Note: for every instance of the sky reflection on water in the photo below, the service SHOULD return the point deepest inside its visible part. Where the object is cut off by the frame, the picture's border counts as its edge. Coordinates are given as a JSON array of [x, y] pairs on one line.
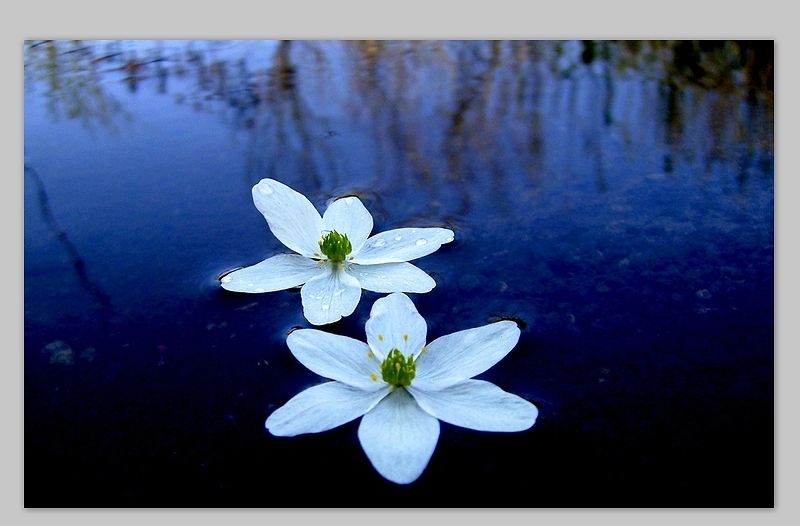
[[616, 199]]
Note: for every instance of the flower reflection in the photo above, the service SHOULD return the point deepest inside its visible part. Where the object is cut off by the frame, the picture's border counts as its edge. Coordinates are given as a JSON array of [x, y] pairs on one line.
[[402, 387], [334, 256]]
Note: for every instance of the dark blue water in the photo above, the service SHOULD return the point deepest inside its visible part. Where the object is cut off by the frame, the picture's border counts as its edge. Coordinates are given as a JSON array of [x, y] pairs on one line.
[[616, 200]]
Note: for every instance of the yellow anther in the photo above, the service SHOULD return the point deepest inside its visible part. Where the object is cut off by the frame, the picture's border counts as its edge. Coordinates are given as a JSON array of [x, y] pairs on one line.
[[374, 377], [397, 367], [370, 355], [424, 350], [380, 337], [405, 337]]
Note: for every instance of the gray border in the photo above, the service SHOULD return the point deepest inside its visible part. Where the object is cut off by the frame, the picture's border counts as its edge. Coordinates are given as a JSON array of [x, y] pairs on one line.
[[768, 19]]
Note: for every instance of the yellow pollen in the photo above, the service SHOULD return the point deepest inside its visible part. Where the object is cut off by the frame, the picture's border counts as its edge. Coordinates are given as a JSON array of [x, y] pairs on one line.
[[424, 350], [370, 355], [374, 377], [380, 337], [405, 337]]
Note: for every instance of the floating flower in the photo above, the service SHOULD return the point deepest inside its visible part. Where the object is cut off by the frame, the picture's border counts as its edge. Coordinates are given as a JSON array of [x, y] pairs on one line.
[[335, 257], [402, 387]]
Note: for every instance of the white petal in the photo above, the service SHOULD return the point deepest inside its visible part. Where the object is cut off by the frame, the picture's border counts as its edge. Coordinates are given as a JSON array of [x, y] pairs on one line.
[[337, 357], [280, 272], [394, 323], [291, 217], [349, 216], [402, 244], [392, 277], [476, 404], [330, 295], [464, 354], [398, 437], [320, 408]]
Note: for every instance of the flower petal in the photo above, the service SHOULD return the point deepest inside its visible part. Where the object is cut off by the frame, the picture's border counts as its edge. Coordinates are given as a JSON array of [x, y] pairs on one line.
[[392, 277], [479, 405], [464, 354], [349, 216], [330, 295], [290, 215], [394, 323], [336, 357], [402, 244], [321, 408], [398, 437], [279, 272]]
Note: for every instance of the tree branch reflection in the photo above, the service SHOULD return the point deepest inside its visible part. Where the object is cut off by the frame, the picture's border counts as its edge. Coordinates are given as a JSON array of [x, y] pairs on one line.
[[78, 263], [461, 120]]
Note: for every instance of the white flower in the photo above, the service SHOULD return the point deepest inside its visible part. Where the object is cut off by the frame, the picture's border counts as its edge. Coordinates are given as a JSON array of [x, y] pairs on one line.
[[402, 387], [334, 257]]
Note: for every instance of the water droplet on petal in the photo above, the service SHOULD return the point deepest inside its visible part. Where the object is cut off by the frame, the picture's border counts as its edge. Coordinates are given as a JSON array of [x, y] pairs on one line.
[[264, 189], [326, 307], [421, 242], [398, 238], [226, 279], [449, 239], [379, 243], [338, 292]]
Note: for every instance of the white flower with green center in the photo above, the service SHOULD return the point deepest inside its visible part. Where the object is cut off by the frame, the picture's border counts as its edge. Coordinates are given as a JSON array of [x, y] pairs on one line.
[[335, 257], [402, 387]]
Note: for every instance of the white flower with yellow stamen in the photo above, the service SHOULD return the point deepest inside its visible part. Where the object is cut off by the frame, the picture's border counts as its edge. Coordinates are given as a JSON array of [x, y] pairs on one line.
[[402, 387], [335, 257]]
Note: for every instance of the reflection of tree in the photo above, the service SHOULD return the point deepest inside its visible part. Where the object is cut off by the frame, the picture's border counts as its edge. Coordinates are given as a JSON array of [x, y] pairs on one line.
[[485, 132], [78, 264], [280, 124], [473, 93], [462, 120], [72, 77]]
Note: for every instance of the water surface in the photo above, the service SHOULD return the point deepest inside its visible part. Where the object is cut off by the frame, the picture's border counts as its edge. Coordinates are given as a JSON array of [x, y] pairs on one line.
[[615, 199]]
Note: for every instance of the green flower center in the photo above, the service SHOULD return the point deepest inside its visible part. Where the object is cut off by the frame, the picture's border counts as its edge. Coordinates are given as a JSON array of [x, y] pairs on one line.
[[397, 370], [336, 246]]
